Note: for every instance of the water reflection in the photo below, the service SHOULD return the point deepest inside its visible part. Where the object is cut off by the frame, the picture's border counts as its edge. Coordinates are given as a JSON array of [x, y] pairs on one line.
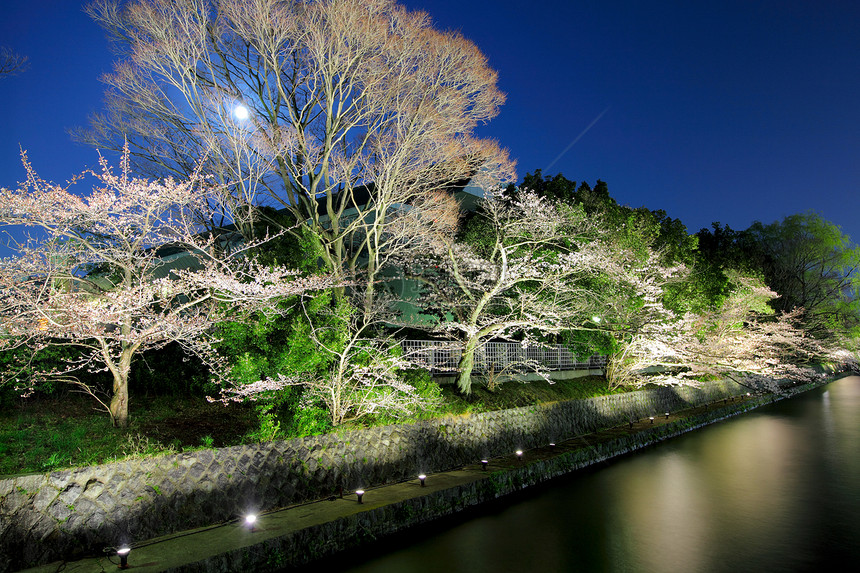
[[774, 490]]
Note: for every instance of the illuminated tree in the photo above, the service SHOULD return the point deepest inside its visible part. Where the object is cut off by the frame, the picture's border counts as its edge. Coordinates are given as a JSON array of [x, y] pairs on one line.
[[350, 109], [120, 271], [807, 260], [363, 376], [812, 265], [742, 340], [527, 267]]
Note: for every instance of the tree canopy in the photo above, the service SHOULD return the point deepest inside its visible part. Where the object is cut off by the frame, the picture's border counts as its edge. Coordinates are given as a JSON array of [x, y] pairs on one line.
[[806, 259], [118, 271], [335, 110]]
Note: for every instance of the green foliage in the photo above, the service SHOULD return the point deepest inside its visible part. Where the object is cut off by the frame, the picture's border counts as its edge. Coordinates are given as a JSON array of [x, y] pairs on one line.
[[426, 388], [584, 343], [51, 433], [280, 343], [270, 427], [423, 383], [806, 259], [639, 231], [813, 265], [557, 187], [301, 251], [310, 419], [25, 365], [273, 344], [169, 371], [291, 413]]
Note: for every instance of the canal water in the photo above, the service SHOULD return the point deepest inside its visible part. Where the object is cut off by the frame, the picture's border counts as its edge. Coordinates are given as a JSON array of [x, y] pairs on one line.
[[777, 489]]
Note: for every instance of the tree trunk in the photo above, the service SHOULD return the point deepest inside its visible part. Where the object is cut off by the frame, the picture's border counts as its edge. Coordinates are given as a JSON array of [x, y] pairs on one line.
[[119, 401], [464, 367]]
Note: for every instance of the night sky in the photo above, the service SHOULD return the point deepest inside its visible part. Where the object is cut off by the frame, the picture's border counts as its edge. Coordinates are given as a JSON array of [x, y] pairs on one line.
[[729, 111]]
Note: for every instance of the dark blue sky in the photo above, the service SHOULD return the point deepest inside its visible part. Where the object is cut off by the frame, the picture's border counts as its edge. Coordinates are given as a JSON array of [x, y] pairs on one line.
[[729, 111]]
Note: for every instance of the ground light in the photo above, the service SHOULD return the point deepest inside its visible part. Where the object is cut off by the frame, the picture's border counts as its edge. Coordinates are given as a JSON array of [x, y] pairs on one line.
[[520, 455], [251, 522], [360, 494], [667, 415], [421, 478], [123, 556], [651, 418], [484, 464]]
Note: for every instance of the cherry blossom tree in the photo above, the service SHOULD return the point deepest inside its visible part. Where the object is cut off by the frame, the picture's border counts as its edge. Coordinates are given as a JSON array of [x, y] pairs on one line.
[[338, 111], [123, 270], [530, 268], [743, 340]]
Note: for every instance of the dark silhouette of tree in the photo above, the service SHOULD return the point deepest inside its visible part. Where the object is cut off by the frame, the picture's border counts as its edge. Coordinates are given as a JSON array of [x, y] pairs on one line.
[[12, 63]]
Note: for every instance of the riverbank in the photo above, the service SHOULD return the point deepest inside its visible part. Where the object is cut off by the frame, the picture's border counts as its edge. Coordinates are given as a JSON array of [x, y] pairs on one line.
[[303, 533]]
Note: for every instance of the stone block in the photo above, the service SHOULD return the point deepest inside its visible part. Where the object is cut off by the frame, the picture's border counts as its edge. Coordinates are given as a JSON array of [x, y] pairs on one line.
[[13, 502], [106, 500], [96, 520], [196, 471], [204, 457], [59, 511], [6, 487], [60, 480]]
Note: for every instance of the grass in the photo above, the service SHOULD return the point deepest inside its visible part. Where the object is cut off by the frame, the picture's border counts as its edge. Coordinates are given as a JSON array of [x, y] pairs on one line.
[[518, 394], [50, 433]]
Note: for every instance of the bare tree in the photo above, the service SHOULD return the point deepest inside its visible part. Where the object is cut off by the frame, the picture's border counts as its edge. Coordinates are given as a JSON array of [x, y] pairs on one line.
[[12, 63], [96, 276], [336, 110]]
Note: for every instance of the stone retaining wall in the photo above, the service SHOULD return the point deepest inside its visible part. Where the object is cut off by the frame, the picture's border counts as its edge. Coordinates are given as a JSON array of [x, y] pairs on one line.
[[67, 514]]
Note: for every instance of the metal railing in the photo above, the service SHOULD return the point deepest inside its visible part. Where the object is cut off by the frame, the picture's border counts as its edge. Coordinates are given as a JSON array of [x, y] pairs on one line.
[[443, 356]]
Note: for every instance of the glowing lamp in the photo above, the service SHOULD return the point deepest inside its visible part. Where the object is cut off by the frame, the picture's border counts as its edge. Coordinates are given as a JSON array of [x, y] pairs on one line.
[[123, 556]]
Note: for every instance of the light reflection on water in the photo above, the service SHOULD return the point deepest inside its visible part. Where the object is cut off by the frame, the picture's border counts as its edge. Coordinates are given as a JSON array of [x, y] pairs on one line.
[[777, 489]]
